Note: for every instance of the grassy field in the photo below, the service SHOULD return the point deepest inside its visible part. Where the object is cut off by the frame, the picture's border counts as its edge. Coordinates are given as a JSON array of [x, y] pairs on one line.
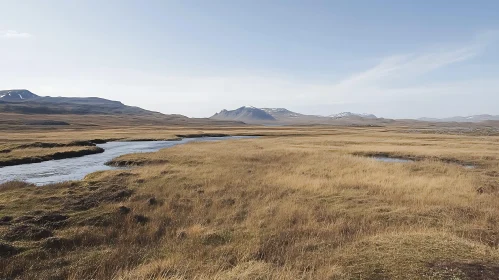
[[298, 203]]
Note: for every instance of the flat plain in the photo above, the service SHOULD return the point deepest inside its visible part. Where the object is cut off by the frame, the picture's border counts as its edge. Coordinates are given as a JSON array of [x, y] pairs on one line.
[[305, 202]]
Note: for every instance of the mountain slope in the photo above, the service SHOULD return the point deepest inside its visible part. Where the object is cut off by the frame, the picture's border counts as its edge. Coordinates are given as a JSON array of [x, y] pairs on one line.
[[285, 116], [246, 114], [17, 95], [281, 113]]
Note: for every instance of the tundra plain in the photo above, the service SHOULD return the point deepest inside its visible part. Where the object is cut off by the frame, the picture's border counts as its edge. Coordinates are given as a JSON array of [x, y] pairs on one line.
[[295, 203]]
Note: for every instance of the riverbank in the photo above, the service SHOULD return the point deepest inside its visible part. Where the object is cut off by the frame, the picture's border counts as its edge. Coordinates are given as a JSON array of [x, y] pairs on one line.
[[36, 152], [36, 155]]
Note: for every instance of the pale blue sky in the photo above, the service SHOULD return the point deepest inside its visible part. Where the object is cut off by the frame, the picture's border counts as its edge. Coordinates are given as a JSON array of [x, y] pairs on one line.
[[393, 58]]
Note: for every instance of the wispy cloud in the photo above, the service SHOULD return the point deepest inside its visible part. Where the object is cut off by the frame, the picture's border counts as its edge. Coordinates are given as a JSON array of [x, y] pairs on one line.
[[411, 74], [409, 66], [13, 34]]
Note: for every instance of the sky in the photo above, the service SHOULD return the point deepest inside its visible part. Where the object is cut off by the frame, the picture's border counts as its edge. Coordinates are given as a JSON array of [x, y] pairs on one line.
[[392, 58]]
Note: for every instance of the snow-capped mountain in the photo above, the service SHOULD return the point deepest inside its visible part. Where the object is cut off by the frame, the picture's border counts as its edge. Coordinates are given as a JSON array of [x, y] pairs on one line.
[[349, 115], [16, 95]]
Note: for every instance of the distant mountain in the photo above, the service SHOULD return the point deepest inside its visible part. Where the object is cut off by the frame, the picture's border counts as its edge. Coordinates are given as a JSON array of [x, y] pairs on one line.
[[282, 116], [247, 114], [474, 118], [17, 95], [352, 115]]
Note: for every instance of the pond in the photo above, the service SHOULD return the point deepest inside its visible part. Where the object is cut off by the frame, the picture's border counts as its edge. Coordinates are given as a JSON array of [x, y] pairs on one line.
[[392, 159]]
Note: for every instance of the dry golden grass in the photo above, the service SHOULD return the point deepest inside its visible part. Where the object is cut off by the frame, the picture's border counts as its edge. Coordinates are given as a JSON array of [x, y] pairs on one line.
[[277, 207]]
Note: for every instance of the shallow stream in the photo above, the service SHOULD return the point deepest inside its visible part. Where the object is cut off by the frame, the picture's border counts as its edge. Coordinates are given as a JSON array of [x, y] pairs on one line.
[[55, 171]]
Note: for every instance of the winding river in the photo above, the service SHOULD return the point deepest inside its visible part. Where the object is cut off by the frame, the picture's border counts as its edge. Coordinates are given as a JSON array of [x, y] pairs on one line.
[[55, 171]]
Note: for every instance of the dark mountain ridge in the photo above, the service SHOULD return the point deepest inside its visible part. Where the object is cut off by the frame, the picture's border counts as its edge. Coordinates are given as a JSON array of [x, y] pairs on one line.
[[17, 95], [26, 102]]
